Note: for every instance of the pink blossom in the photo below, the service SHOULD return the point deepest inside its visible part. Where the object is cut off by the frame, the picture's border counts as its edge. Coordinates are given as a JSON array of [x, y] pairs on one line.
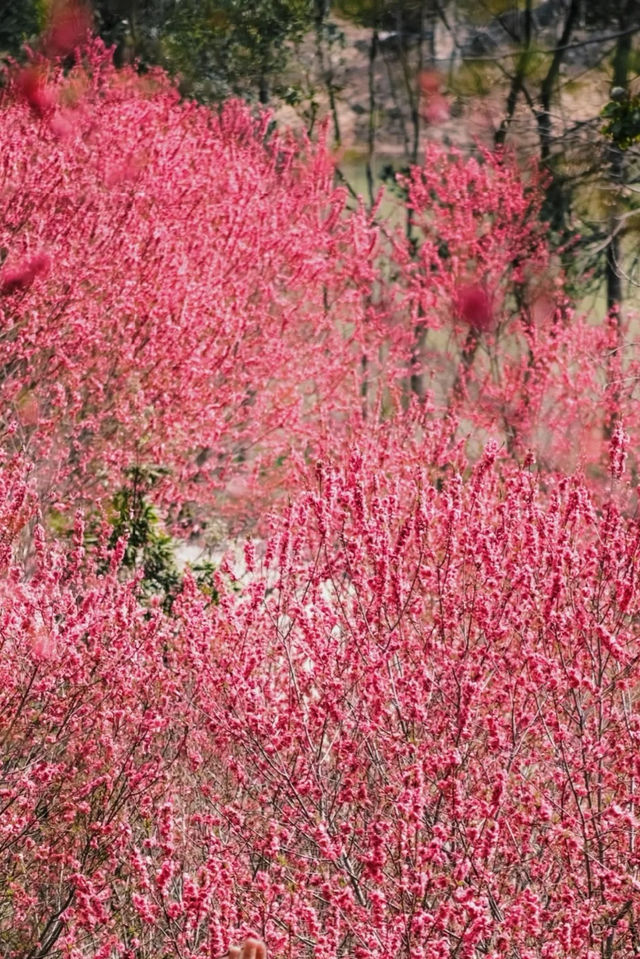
[[70, 21], [473, 306], [21, 277], [31, 85]]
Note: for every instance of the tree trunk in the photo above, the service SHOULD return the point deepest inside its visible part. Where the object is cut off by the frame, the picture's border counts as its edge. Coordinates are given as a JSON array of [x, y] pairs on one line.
[[517, 80], [613, 250], [371, 139]]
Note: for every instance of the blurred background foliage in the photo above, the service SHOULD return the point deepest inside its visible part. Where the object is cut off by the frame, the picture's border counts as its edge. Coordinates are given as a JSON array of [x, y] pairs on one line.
[[19, 22], [217, 48], [527, 62]]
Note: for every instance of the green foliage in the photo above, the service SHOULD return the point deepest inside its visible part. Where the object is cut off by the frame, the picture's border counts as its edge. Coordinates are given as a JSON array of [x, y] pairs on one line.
[[623, 121], [217, 47], [243, 45], [19, 23], [204, 572], [149, 547]]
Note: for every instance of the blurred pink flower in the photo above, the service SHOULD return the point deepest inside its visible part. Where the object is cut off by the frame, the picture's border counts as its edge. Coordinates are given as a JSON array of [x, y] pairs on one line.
[[473, 306], [434, 106], [61, 124], [21, 277], [68, 28], [31, 85]]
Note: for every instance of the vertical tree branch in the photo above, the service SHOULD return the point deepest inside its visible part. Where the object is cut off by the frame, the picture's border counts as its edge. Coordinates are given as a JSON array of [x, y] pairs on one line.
[[543, 115], [517, 81], [371, 135]]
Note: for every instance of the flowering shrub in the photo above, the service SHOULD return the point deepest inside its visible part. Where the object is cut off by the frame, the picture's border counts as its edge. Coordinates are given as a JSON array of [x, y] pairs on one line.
[[100, 800], [498, 346], [431, 713], [479, 229], [412, 731], [186, 289], [179, 286], [91, 727], [406, 724]]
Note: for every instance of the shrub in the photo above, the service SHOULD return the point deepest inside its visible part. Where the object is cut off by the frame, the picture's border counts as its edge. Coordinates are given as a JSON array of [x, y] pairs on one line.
[[427, 704], [180, 286]]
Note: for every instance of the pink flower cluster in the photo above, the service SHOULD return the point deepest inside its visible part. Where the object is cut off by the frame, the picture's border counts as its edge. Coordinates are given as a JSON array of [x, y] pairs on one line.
[[201, 278], [405, 723], [410, 731]]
